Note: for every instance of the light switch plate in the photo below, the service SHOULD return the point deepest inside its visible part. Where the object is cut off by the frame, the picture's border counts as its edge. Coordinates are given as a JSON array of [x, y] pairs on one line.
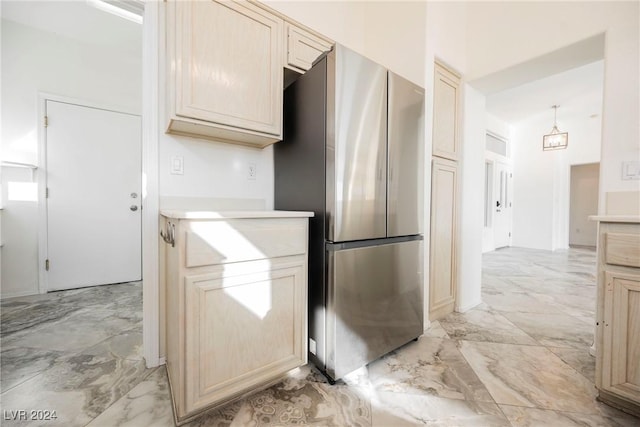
[[631, 170], [177, 165]]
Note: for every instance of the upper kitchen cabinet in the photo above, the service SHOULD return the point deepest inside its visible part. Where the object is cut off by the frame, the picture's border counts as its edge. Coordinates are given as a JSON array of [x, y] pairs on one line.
[[225, 71], [446, 90], [302, 47]]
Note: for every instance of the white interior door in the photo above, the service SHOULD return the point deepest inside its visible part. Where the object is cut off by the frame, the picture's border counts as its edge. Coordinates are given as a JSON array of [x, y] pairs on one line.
[[502, 206], [93, 159]]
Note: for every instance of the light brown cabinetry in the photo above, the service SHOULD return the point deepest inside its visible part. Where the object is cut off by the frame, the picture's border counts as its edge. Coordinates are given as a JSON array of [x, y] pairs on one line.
[[236, 306], [225, 75], [446, 88], [618, 315], [303, 47], [444, 193], [225, 68], [442, 290]]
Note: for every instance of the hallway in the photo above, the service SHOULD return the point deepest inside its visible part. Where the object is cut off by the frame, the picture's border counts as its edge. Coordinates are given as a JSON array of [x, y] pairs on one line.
[[520, 359]]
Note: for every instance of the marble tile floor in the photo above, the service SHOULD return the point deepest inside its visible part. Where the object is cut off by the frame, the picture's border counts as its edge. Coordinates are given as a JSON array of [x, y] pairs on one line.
[[519, 359]]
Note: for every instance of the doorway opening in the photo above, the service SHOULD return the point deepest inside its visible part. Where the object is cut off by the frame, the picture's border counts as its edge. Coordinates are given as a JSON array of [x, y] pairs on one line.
[[74, 351], [498, 193], [583, 202]]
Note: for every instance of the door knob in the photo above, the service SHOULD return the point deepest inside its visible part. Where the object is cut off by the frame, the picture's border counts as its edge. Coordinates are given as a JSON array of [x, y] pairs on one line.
[[133, 208], [134, 195]]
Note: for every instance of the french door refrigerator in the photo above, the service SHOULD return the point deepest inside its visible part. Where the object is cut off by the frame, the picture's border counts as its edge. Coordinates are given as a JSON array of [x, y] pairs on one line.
[[353, 153]]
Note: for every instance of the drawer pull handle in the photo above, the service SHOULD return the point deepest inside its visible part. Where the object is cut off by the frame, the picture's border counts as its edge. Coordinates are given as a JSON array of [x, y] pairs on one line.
[[170, 235]]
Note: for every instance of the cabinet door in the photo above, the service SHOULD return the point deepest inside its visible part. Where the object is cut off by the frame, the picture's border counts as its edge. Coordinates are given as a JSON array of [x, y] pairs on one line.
[[302, 48], [229, 65], [621, 336], [442, 284], [243, 331], [445, 113]]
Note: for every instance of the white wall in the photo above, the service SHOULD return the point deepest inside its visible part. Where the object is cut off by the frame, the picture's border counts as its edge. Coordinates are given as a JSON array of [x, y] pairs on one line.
[[402, 51], [541, 178], [342, 21], [498, 126], [471, 211], [215, 175], [36, 61], [370, 28], [502, 35]]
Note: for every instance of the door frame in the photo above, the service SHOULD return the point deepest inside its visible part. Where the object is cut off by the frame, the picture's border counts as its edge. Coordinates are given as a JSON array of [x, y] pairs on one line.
[[508, 193], [495, 159], [151, 110], [43, 225], [152, 48]]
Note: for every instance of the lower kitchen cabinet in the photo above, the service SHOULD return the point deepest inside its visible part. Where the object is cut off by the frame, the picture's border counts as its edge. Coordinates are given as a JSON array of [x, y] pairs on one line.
[[442, 263], [618, 315], [236, 305]]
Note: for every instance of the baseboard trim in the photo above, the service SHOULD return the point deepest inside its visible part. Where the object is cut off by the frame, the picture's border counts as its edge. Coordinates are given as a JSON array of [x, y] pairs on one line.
[[468, 307]]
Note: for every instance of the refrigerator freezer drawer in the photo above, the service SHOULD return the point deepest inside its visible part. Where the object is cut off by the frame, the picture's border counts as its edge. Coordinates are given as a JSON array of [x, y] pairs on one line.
[[374, 303]]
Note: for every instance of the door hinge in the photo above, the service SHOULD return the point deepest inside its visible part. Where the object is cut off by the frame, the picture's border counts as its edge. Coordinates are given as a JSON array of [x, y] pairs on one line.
[[509, 234], [46, 121], [46, 265], [46, 193]]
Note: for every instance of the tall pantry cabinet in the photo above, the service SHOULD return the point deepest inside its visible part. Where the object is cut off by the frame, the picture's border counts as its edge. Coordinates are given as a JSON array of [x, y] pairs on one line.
[[444, 192]]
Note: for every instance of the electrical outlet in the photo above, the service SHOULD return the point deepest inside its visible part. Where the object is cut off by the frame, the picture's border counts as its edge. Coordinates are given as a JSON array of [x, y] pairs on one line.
[[252, 171]]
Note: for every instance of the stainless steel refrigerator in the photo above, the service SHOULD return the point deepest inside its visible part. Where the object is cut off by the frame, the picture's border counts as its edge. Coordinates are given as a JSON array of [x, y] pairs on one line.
[[353, 153]]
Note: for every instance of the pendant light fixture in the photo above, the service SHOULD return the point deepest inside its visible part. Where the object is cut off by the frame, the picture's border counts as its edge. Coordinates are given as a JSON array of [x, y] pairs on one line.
[[556, 140]]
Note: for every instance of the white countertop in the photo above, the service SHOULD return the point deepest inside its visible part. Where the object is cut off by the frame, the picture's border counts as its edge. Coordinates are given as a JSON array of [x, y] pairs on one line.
[[178, 214], [616, 218]]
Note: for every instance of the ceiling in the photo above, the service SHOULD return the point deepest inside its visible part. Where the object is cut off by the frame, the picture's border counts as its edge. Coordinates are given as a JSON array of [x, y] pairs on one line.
[[577, 91], [569, 57], [77, 20], [571, 77]]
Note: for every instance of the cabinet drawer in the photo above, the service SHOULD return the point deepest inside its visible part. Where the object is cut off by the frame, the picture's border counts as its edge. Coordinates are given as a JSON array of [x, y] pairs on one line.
[[222, 242], [302, 47], [622, 249]]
